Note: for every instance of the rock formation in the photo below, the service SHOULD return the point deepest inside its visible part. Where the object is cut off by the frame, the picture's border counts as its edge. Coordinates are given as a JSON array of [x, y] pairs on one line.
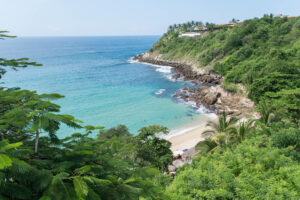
[[187, 70], [212, 96]]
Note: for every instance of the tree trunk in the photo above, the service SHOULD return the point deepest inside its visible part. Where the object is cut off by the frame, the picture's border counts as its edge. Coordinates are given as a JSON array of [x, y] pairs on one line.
[[37, 142]]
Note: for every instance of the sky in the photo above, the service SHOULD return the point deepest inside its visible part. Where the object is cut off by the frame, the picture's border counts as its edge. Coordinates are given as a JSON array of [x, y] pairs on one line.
[[126, 17]]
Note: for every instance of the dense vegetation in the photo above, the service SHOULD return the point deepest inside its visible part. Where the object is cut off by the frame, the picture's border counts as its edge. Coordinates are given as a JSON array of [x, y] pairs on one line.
[[244, 162], [257, 159], [36, 164], [263, 54], [252, 160]]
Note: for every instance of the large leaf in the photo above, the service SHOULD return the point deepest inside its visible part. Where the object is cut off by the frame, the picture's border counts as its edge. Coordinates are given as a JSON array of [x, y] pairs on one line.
[[83, 169], [97, 181], [13, 145], [81, 187], [5, 161], [58, 182]]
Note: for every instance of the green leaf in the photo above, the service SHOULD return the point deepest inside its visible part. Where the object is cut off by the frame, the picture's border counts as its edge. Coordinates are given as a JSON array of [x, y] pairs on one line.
[[83, 170], [58, 182], [97, 181], [13, 145], [5, 161], [81, 187], [59, 177]]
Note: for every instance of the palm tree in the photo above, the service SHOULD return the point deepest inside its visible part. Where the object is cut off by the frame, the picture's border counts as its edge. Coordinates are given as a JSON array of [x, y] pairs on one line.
[[266, 112], [210, 144], [241, 131], [218, 135], [222, 126]]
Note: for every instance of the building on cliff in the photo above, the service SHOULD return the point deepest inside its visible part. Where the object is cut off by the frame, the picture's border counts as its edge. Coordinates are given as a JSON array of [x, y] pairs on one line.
[[190, 34]]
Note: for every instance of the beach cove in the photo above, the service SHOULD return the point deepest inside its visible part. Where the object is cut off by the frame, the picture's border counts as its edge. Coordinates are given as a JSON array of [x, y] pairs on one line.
[[101, 86]]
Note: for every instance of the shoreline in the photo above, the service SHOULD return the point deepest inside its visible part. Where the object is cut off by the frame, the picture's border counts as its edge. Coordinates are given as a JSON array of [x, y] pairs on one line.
[[185, 137], [187, 70], [189, 136], [211, 96]]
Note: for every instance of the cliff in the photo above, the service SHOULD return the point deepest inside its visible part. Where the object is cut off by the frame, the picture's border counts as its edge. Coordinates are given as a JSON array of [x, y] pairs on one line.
[[257, 59]]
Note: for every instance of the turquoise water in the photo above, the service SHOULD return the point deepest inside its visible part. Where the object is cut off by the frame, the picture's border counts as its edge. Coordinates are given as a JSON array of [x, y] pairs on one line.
[[100, 84]]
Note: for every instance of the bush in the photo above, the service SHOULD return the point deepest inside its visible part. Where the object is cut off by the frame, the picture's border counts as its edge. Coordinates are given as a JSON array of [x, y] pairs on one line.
[[248, 171], [287, 137], [230, 87]]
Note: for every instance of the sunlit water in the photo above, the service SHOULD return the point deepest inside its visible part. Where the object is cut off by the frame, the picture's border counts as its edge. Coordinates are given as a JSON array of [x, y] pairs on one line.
[[102, 87]]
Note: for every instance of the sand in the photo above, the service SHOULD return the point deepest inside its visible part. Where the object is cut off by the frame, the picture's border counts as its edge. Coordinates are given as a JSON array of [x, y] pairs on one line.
[[188, 139]]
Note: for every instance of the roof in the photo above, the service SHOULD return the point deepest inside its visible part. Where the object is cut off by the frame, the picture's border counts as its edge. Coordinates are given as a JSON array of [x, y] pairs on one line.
[[228, 24]]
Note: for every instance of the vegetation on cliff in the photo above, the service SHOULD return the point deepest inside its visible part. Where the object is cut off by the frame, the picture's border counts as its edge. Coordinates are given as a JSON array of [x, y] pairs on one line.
[[257, 159], [263, 54]]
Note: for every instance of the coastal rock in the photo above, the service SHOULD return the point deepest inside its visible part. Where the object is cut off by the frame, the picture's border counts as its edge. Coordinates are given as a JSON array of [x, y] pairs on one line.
[[176, 76], [196, 82], [187, 70], [178, 163], [212, 96], [176, 95], [217, 99], [171, 168]]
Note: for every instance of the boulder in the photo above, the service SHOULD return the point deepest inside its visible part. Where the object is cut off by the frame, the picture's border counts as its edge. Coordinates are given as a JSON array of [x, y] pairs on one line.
[[176, 76], [171, 168]]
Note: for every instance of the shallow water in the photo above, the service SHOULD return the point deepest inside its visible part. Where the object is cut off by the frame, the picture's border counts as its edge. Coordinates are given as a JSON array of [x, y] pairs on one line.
[[102, 87]]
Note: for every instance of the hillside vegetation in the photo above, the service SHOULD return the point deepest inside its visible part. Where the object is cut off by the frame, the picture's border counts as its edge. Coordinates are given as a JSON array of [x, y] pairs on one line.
[[263, 54], [258, 159], [254, 159]]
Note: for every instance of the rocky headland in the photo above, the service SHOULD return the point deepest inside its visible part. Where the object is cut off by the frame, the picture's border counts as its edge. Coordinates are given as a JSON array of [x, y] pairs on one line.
[[211, 94]]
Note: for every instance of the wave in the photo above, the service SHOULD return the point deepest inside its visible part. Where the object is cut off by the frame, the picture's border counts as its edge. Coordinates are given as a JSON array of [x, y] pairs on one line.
[[159, 68], [164, 69], [167, 71], [131, 60], [188, 127], [193, 104], [160, 91], [178, 131], [202, 109]]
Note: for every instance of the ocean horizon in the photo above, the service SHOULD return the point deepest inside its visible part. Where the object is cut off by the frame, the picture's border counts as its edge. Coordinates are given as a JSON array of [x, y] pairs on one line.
[[101, 85]]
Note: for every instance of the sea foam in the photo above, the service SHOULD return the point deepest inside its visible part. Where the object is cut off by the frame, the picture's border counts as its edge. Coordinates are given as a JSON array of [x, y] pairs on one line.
[[159, 92]]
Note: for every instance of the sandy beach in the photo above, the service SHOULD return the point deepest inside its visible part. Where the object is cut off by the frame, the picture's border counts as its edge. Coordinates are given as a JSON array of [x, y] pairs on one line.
[[189, 138]]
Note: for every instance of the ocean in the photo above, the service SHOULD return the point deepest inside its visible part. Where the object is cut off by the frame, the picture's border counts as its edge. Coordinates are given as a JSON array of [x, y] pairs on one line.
[[102, 87]]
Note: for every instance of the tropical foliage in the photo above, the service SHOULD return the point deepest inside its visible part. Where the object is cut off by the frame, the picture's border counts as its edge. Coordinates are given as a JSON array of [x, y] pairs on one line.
[[255, 159], [114, 165], [248, 160], [263, 54], [252, 170]]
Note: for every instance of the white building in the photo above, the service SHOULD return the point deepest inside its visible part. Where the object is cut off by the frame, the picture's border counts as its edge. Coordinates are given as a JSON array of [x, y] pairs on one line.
[[189, 34]]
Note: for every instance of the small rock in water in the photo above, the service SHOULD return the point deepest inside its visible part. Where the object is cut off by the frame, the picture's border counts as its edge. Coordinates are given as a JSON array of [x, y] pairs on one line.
[[176, 76]]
